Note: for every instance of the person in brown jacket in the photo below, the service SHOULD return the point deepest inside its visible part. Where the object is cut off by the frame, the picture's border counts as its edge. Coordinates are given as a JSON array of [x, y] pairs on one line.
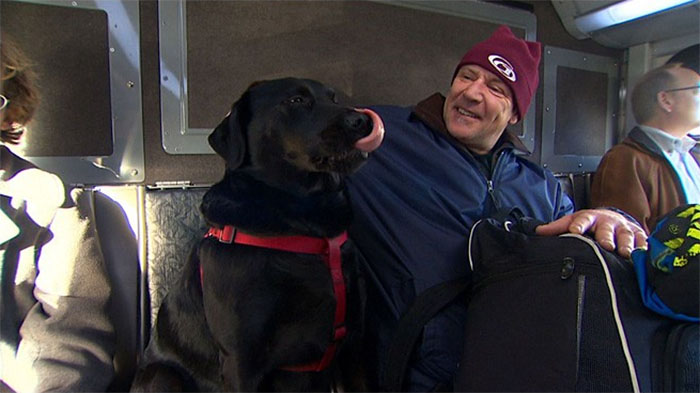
[[657, 167]]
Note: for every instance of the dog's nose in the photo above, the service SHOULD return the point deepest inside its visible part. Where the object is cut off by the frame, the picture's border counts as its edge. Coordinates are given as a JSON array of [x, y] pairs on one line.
[[357, 121]]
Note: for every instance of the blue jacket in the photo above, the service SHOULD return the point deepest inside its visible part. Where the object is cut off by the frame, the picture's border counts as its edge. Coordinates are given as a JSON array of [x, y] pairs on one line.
[[414, 203]]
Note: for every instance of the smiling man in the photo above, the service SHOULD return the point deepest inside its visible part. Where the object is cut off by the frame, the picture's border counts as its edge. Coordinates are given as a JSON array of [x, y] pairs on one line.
[[443, 165]]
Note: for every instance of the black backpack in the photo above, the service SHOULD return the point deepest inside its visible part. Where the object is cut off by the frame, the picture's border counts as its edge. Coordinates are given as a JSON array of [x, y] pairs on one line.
[[553, 314]]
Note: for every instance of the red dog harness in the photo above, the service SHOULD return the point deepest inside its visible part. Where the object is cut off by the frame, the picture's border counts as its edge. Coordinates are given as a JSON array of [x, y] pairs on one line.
[[329, 248]]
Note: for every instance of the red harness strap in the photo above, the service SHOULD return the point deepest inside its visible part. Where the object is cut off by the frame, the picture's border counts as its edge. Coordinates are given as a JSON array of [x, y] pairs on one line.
[[329, 248]]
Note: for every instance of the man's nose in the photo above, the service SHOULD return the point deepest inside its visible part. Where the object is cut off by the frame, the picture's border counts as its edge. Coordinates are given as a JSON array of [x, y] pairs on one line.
[[475, 90]]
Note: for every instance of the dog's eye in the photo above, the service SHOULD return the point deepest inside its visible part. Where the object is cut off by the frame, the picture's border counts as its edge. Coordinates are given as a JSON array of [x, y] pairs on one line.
[[295, 100]]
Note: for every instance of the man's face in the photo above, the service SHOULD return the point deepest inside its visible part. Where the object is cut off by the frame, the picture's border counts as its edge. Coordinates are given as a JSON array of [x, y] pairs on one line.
[[686, 102], [478, 108]]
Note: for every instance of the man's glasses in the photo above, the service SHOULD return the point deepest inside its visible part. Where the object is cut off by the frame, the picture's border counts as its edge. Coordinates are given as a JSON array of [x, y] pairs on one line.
[[3, 102], [684, 88]]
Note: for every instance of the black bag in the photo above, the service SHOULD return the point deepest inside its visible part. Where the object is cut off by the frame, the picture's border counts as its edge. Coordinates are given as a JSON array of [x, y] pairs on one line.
[[562, 314], [542, 318]]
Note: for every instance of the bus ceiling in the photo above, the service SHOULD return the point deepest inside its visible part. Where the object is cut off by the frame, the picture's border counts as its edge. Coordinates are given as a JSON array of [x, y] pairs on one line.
[[666, 25]]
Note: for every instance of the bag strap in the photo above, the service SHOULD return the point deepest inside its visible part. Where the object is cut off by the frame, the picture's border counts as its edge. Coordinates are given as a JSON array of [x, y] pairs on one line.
[[422, 310]]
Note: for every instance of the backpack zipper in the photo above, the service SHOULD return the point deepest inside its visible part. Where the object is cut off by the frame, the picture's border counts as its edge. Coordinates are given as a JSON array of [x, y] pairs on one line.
[[549, 267]]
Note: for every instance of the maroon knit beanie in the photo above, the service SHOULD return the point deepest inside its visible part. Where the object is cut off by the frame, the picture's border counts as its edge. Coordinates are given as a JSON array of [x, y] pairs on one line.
[[514, 60]]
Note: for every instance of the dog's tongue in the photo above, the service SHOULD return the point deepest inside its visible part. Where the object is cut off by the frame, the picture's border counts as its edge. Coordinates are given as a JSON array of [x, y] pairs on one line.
[[374, 139]]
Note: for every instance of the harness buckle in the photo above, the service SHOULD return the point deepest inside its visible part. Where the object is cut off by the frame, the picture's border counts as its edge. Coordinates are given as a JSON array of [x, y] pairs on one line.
[[227, 234], [224, 235]]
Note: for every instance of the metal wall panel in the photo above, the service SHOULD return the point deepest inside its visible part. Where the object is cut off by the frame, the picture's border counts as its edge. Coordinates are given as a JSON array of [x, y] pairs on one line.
[[88, 127], [580, 109]]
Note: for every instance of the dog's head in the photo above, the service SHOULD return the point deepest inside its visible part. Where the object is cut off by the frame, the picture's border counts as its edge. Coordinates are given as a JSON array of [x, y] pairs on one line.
[[295, 125]]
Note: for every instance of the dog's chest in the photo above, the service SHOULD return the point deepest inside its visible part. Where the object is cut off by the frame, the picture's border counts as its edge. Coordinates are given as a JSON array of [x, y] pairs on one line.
[[240, 274]]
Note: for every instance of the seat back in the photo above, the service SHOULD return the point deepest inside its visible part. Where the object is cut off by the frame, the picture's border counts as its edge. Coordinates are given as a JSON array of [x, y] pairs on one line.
[[120, 251], [577, 186], [173, 226]]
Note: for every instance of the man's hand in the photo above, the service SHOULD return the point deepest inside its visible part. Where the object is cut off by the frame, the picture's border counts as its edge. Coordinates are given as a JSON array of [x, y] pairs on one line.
[[610, 229]]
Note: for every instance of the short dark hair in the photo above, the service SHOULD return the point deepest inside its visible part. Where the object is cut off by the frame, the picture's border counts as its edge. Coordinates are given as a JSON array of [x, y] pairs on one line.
[[19, 86], [644, 104]]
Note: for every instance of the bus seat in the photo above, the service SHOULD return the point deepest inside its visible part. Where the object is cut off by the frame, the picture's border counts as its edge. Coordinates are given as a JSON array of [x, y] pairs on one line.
[[173, 226], [577, 186], [120, 251]]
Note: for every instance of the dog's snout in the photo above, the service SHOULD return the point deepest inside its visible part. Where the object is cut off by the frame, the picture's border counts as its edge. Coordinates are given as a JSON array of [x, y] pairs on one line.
[[357, 121]]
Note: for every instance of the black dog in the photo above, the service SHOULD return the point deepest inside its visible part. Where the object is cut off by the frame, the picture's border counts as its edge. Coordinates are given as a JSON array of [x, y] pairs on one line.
[[249, 314]]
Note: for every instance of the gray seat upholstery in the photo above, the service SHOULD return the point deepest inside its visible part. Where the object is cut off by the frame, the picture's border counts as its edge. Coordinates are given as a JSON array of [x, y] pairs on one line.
[[173, 226]]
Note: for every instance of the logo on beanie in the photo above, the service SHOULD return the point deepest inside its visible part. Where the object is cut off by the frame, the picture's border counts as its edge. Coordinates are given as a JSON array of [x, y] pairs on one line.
[[503, 66]]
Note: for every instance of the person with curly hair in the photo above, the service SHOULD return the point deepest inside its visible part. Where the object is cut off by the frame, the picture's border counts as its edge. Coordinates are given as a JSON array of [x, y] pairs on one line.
[[55, 332]]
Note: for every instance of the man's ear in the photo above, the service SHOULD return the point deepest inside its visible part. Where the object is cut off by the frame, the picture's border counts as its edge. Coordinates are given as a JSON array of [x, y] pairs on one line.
[[229, 138], [514, 118], [665, 101]]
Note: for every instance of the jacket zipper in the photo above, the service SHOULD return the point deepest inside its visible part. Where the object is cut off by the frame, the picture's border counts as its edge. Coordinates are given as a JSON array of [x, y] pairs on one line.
[[489, 179], [492, 194]]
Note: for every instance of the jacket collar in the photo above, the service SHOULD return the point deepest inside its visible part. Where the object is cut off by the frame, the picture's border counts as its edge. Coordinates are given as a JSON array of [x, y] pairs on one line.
[[641, 138], [429, 111]]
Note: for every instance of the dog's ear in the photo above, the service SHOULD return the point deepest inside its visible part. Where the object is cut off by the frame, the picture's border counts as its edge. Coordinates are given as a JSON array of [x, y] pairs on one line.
[[228, 138]]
